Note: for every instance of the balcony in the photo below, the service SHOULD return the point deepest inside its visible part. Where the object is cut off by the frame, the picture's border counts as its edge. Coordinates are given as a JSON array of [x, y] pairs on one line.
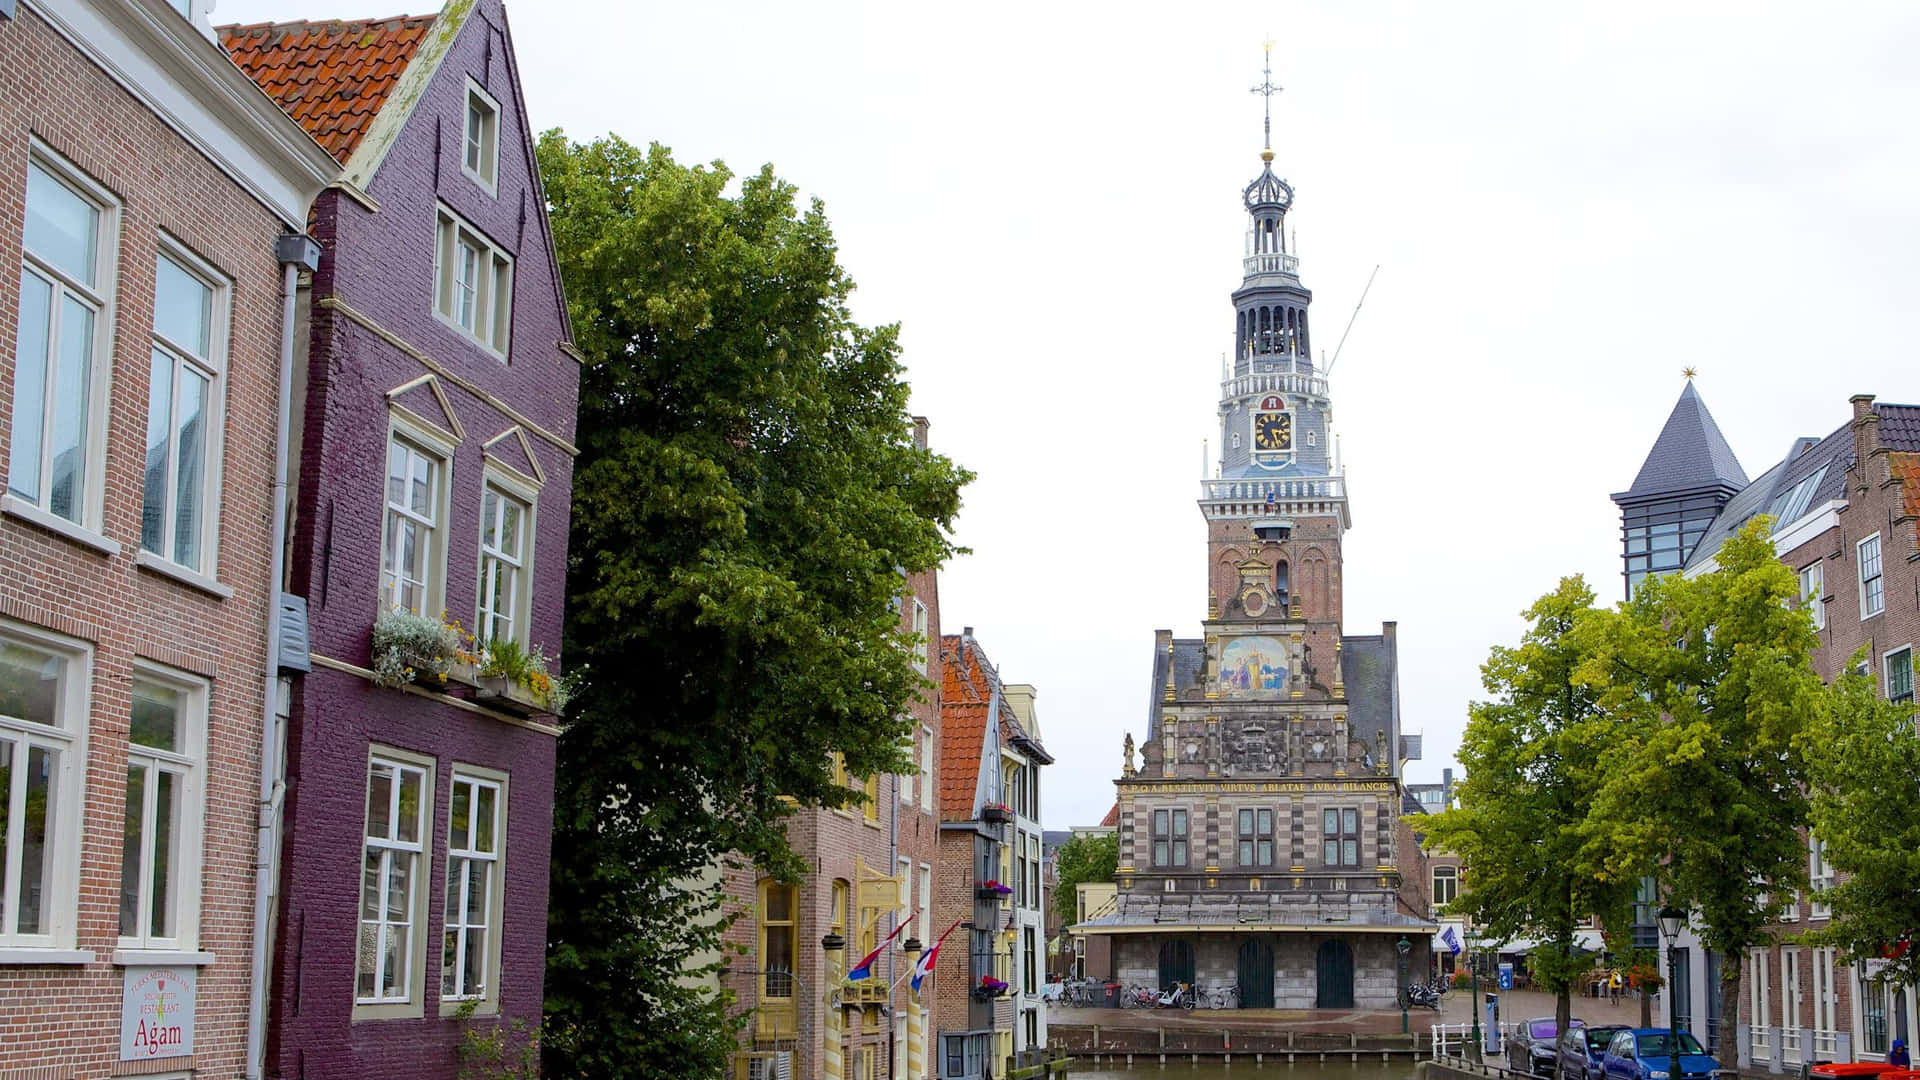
[[1272, 263], [1284, 379]]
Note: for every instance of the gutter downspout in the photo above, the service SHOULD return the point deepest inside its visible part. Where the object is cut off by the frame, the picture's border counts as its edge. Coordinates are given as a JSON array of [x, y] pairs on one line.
[[294, 252]]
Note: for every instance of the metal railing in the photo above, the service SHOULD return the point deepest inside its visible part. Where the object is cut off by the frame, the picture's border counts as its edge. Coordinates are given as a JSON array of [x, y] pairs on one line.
[[1272, 263], [1273, 382], [1255, 490]]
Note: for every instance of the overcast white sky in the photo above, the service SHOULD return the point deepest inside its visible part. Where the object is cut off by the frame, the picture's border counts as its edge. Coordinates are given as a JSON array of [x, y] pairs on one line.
[[1568, 204]]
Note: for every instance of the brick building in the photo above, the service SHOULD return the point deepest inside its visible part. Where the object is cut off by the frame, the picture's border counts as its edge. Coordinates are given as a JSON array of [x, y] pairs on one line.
[[987, 879], [1260, 849], [432, 481], [873, 870], [1844, 509], [145, 314]]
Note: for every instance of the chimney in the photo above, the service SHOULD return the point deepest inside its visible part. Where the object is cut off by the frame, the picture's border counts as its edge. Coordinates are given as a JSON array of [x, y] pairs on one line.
[[920, 425], [1868, 456], [1446, 787]]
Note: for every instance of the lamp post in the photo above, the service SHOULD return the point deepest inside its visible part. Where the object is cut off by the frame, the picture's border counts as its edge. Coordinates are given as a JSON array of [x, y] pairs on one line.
[[831, 1066], [1402, 946], [1473, 975], [1671, 920]]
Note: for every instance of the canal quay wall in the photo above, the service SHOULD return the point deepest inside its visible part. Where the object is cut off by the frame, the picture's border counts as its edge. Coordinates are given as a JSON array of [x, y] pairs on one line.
[[1123, 1041]]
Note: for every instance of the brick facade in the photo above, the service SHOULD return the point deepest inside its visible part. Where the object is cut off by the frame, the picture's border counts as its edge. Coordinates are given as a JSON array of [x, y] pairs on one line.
[[380, 360], [63, 1019]]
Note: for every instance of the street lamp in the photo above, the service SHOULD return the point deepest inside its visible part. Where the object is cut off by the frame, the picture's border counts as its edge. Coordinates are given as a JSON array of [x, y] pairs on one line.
[[1473, 969], [1401, 947], [1671, 920]]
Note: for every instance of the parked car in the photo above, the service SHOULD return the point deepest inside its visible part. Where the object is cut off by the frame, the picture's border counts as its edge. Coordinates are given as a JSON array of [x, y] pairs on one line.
[[1647, 1054], [1536, 1046], [1582, 1048]]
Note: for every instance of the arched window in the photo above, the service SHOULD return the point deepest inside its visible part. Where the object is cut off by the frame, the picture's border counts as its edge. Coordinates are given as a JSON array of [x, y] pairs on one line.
[[1446, 885], [1305, 350], [1280, 582], [1266, 330], [1290, 332]]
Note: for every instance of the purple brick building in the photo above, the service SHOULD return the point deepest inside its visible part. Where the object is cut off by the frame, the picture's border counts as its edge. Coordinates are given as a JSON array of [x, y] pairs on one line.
[[432, 474]]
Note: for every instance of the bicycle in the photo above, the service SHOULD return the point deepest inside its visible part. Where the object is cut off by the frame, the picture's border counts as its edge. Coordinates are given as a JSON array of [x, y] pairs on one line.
[[1225, 996]]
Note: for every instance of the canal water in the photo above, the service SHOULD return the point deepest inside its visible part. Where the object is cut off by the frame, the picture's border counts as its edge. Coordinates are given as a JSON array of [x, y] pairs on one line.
[[1148, 1067]]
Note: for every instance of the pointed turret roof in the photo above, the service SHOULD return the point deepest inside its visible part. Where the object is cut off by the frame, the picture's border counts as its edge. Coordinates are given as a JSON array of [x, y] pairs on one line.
[[1689, 454]]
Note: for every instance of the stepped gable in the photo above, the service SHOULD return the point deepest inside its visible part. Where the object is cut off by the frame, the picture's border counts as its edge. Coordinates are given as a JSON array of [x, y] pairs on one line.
[[333, 76]]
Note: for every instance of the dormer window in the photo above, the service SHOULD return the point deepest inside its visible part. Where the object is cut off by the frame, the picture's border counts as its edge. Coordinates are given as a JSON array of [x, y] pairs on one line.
[[481, 159]]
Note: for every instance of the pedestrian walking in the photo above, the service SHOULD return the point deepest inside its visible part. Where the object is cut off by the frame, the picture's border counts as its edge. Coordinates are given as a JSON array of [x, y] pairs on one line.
[[1614, 987]]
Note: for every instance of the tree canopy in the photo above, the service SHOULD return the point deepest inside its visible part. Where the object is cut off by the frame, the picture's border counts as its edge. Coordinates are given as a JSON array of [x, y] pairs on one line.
[[1081, 858], [746, 499]]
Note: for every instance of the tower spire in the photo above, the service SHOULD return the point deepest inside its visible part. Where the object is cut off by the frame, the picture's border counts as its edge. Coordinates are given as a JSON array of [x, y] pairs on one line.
[[1266, 90]]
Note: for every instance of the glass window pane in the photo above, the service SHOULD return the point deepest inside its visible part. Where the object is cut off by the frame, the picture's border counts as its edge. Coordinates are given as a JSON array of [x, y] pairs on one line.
[[166, 841], [66, 491], [393, 982], [1350, 820], [1331, 822], [30, 385], [489, 519], [182, 307], [6, 805], [156, 717], [460, 817], [38, 836], [1246, 852], [407, 828], [380, 801], [479, 892], [510, 528], [189, 484], [132, 829], [372, 869], [30, 684], [474, 972], [1266, 821], [779, 904], [484, 819], [153, 506], [1352, 852], [1330, 854], [449, 960], [367, 959], [420, 494], [61, 226]]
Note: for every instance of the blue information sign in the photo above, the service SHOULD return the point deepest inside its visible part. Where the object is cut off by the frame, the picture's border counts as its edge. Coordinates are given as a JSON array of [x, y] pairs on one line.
[[1506, 976]]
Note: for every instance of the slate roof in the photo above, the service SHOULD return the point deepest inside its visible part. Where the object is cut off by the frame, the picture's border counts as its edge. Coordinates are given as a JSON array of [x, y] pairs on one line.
[[1189, 657], [1899, 433], [1690, 453], [332, 77]]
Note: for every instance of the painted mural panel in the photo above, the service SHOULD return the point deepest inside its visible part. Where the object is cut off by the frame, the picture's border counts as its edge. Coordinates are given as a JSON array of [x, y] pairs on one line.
[[1253, 667]]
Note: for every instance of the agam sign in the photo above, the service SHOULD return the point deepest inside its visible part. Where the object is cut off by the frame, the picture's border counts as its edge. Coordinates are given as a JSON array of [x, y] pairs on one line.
[[156, 1012]]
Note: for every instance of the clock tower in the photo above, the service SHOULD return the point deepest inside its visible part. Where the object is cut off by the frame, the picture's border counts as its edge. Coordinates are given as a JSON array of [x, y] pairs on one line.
[[1260, 842]]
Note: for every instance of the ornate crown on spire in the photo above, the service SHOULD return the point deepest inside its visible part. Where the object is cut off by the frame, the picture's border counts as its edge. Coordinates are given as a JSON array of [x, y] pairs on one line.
[[1268, 190]]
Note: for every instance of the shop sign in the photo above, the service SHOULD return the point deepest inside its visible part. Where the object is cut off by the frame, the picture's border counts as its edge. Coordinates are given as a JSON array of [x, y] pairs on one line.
[[156, 1012]]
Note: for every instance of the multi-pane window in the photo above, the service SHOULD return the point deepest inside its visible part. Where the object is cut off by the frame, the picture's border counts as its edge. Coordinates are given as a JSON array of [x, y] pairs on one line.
[[929, 769], [1873, 1009], [42, 708], [1658, 538], [1340, 837], [1256, 837], [480, 158], [779, 949], [503, 572], [1446, 885], [1899, 666], [1872, 600], [1169, 838], [1812, 589], [183, 405], [393, 860], [473, 872], [921, 646], [473, 283], [58, 431], [160, 835], [413, 513], [1819, 876]]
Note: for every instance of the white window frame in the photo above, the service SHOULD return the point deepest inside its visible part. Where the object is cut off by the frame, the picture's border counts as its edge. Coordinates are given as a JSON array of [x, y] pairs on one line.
[[922, 646], [213, 367], [1873, 597], [486, 172], [1453, 883], [520, 615], [188, 764], [410, 1004], [99, 296], [434, 446], [488, 998], [1813, 587], [1759, 1003], [903, 783], [1825, 992], [1897, 659], [60, 896], [1819, 878], [929, 768], [492, 327]]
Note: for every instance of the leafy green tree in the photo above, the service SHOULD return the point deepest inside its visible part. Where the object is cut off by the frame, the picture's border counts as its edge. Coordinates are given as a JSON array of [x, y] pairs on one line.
[[1081, 858], [1532, 755], [1711, 682], [1864, 767], [745, 501]]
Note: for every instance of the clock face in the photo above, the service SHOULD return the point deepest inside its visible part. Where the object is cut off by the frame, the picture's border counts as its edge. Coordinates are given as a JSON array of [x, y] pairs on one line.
[[1273, 431]]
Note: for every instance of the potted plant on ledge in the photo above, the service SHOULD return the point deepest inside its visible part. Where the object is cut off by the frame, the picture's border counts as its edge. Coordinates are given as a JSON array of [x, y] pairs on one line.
[[410, 648], [990, 988], [996, 814], [991, 889], [511, 677]]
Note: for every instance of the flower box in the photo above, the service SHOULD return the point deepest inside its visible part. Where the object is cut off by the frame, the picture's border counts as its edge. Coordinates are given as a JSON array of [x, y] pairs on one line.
[[992, 890], [990, 988], [503, 693], [995, 814]]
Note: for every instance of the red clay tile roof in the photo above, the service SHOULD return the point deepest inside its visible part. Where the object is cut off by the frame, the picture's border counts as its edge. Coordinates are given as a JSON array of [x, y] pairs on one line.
[[332, 77], [966, 693], [1906, 469], [1113, 816]]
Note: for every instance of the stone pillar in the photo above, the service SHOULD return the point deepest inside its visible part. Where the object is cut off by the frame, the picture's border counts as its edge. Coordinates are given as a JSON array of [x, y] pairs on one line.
[[916, 1035], [831, 1066]]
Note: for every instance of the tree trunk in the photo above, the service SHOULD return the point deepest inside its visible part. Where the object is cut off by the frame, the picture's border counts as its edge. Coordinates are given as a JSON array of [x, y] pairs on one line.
[[1646, 1008], [1562, 1016], [1729, 1054]]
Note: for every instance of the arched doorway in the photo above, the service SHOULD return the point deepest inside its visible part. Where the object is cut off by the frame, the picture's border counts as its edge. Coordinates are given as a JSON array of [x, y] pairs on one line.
[[1256, 974], [1176, 963], [1333, 975]]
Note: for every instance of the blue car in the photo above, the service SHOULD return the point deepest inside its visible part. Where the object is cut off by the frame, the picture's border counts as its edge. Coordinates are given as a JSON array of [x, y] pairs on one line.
[[1583, 1049], [1647, 1054]]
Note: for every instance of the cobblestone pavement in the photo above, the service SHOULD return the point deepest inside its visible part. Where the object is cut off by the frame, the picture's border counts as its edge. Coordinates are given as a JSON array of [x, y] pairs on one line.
[[1456, 1008]]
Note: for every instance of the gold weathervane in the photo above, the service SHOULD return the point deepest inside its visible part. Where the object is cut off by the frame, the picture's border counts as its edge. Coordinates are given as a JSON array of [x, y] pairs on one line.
[[1689, 373]]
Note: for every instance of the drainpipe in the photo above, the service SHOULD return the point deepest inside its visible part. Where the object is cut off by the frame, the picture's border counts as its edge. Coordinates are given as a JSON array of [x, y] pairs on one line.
[[294, 252]]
